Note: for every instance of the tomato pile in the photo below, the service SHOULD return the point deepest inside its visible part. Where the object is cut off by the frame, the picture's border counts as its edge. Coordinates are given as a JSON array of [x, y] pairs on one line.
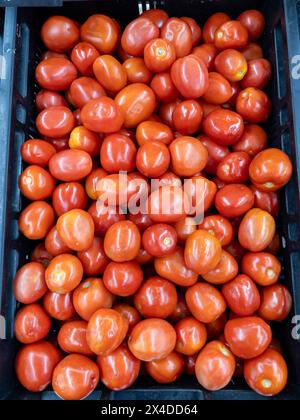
[[109, 295]]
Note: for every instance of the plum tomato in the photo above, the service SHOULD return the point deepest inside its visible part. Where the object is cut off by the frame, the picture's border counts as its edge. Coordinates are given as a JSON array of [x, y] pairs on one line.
[[130, 313], [59, 307], [252, 51], [276, 303], [212, 24], [214, 329], [102, 115], [102, 32], [220, 227], [262, 267], [60, 34], [36, 183], [153, 131], [259, 74], [94, 259], [159, 55], [137, 71], [187, 117], [46, 99], [234, 168], [69, 196], [83, 90], [76, 229], [254, 105], [164, 88], [188, 156], [83, 139], [223, 126], [55, 74], [110, 73], [231, 34], [122, 241], [64, 273], [216, 154], [54, 244], [181, 311], [219, 91], [160, 240], [72, 338], [268, 201], [36, 220], [118, 153], [153, 159], [137, 35], [207, 53], [178, 32], [92, 180], [31, 324], [70, 165], [37, 152], [232, 65], [83, 56], [123, 278], [29, 283], [191, 336], [184, 228], [253, 140], [166, 370], [55, 122], [226, 270], [157, 16], [234, 200], [195, 28], [255, 23]]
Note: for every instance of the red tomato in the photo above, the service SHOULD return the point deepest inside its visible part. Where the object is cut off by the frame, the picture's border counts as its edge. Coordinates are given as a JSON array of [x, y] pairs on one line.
[[37, 152], [58, 306], [268, 201], [36, 183], [76, 229], [69, 196], [55, 122], [236, 250], [212, 24], [253, 141], [123, 278], [201, 193], [195, 28], [59, 144], [254, 105], [219, 91], [166, 370], [92, 180], [179, 34], [104, 217], [84, 89], [160, 240], [207, 53], [187, 117], [256, 230], [83, 139], [248, 337], [102, 115], [159, 55], [46, 99], [232, 65], [157, 16], [72, 338], [110, 73], [29, 283], [32, 324], [188, 156], [276, 303], [60, 34], [216, 154], [153, 159], [231, 34], [122, 241], [153, 131], [36, 220], [255, 23], [64, 273], [70, 165], [225, 271], [83, 56], [50, 54], [130, 313], [181, 311], [164, 88], [234, 200], [54, 244], [189, 365], [223, 126], [94, 259], [102, 32], [137, 71], [191, 336], [262, 267], [137, 34], [118, 153], [175, 207], [234, 168], [252, 51], [55, 74], [184, 228], [215, 328], [219, 227], [259, 74]]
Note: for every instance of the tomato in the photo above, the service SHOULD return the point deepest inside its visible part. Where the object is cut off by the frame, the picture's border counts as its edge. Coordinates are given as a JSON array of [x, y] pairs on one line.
[[59, 34], [189, 364], [102, 115], [268, 201], [190, 76], [181, 311], [72, 338], [253, 141], [252, 51], [195, 28], [256, 230], [201, 193], [46, 99], [60, 144], [191, 336], [83, 56], [142, 221], [41, 255], [137, 71], [157, 16], [75, 377], [234, 200], [92, 182], [207, 53], [188, 156], [236, 250], [153, 131], [54, 244], [55, 122], [212, 24], [152, 339], [110, 73], [137, 34], [166, 370], [219, 91], [231, 34], [104, 217], [137, 103], [276, 303], [275, 245], [90, 296], [169, 179], [179, 34], [248, 337], [118, 153], [205, 302], [254, 105], [225, 271], [259, 74], [164, 88], [32, 324], [184, 228], [70, 165], [34, 365], [160, 240], [157, 298], [106, 331], [55, 74], [36, 220], [102, 32], [58, 306], [223, 126], [120, 369], [232, 65], [214, 329], [267, 374], [69, 196], [168, 204], [123, 279], [187, 117], [29, 283], [216, 154], [215, 366], [64, 273], [83, 90], [36, 183], [83, 139], [270, 170], [159, 55], [76, 229], [51, 54], [219, 227], [122, 241], [255, 23], [94, 259], [130, 313], [234, 168], [262, 267], [242, 296], [37, 152]]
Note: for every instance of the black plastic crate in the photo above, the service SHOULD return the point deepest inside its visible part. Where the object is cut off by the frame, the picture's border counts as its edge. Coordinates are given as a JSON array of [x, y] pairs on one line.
[[20, 49]]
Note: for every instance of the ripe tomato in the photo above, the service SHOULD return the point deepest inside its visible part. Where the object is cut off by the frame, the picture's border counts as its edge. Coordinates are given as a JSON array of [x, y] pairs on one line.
[[64, 273], [207, 53], [262, 267], [201, 193], [195, 28], [137, 102], [159, 55], [94, 259], [179, 34], [270, 170], [189, 365], [36, 183], [55, 74], [248, 337], [253, 141], [37, 152], [102, 32], [69, 196], [212, 24], [36, 220], [216, 154], [164, 88], [118, 153], [58, 306], [104, 217], [166, 370], [168, 204], [259, 74], [157, 298], [153, 159], [234, 200], [55, 122], [120, 369], [50, 54], [267, 374], [219, 227], [252, 51], [215, 329], [102, 115], [187, 117], [123, 278], [234, 168], [219, 91], [225, 271], [106, 331], [54, 244], [110, 73], [92, 182], [152, 339], [35, 364], [137, 34], [32, 324], [184, 228], [83, 56], [188, 156], [72, 338], [29, 283], [122, 241], [231, 34], [75, 377], [153, 131], [130, 313], [215, 366], [236, 250], [46, 99], [232, 65], [70, 165], [76, 229], [157, 16], [242, 296], [268, 201], [181, 311], [223, 126], [276, 303], [255, 23], [160, 240], [83, 139], [191, 336], [59, 144], [256, 230], [205, 302], [83, 90], [190, 76], [254, 105], [137, 71], [60, 34]]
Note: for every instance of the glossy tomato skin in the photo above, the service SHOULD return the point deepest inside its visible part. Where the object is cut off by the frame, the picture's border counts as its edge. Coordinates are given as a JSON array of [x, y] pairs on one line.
[[34, 365], [212, 24], [242, 296], [137, 34], [90, 296], [179, 34], [36, 183], [76, 228], [32, 324], [55, 122], [37, 152], [255, 23], [130, 313], [254, 105], [83, 56], [64, 273], [276, 303], [36, 220], [92, 182], [264, 268], [181, 311], [259, 74], [252, 51], [118, 153], [159, 55], [157, 298], [207, 53], [102, 32], [184, 228], [225, 271], [122, 241], [58, 306], [72, 338], [152, 339], [102, 115], [153, 159], [256, 230], [123, 279], [220, 227], [70, 165], [234, 200], [67, 197], [110, 73], [104, 217], [75, 377], [215, 366], [94, 259], [223, 126], [164, 88], [83, 139], [137, 71], [59, 34], [84, 89], [179, 205], [219, 91], [29, 283], [187, 117], [54, 243], [47, 98], [55, 74], [160, 240], [153, 131], [234, 168], [190, 76], [268, 201], [232, 65], [120, 369], [253, 140], [166, 370], [248, 337], [216, 153], [205, 302], [106, 331], [191, 336], [231, 34], [195, 28], [157, 16]]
